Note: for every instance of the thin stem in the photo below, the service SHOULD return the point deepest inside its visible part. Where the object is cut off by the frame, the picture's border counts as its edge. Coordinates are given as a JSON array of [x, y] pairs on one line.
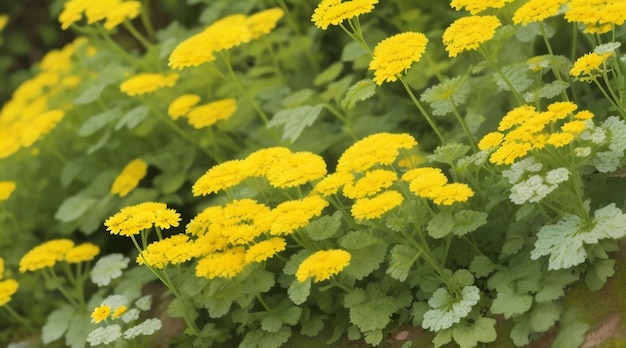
[[137, 35], [145, 19], [426, 115], [275, 62], [555, 69], [18, 317], [263, 303], [51, 275], [463, 124], [495, 66], [609, 98], [122, 52], [342, 118]]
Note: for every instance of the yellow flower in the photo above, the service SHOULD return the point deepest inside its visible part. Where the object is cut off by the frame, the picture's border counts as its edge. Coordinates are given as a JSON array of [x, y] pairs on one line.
[[374, 207], [4, 19], [334, 11], [222, 176], [191, 52], [45, 255], [508, 152], [147, 83], [425, 181], [121, 12], [490, 140], [322, 265], [6, 189], [201, 223], [208, 114], [181, 106], [332, 183], [561, 110], [72, 12], [380, 148], [40, 126], [599, 16], [1, 267], [100, 313], [537, 11], [373, 182], [583, 115], [296, 169], [225, 264], [395, 55], [516, 117], [467, 33], [129, 178], [574, 127], [289, 216], [118, 312], [262, 251], [589, 66], [82, 252], [450, 193], [8, 288], [173, 250], [132, 220], [262, 160], [263, 22], [560, 139], [477, 6]]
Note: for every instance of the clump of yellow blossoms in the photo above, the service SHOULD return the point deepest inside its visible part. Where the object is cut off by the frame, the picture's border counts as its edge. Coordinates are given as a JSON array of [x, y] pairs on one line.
[[380, 148], [147, 83], [322, 265], [523, 129], [477, 6], [181, 106], [208, 114], [598, 16], [173, 250], [536, 11], [334, 12], [131, 220], [100, 313], [58, 250], [394, 55], [431, 183], [587, 67], [6, 189], [467, 33], [8, 287], [129, 178], [114, 12]]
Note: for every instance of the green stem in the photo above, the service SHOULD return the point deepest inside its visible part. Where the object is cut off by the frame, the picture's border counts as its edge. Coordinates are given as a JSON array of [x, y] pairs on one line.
[[426, 115], [145, 19], [18, 317], [608, 97], [263, 303], [51, 275], [117, 48], [137, 35], [555, 69], [275, 62], [495, 66], [463, 124]]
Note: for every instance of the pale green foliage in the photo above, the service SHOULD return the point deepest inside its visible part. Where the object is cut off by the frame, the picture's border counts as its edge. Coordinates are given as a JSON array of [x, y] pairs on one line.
[[509, 303], [517, 76], [448, 309], [446, 96], [295, 120], [449, 153], [360, 91]]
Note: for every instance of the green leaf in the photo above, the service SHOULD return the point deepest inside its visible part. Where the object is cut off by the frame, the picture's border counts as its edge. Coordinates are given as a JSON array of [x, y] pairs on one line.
[[509, 303], [104, 139], [298, 292], [599, 273], [367, 251], [529, 32], [133, 118], [352, 51], [447, 309], [97, 122], [554, 284], [328, 75], [324, 227], [440, 225], [295, 120], [297, 98], [402, 259], [294, 261], [520, 332], [374, 337], [263, 339], [463, 277], [70, 170], [312, 326], [447, 95], [57, 323], [360, 91], [544, 316], [467, 221], [442, 338], [289, 314], [92, 93], [468, 336], [271, 323], [170, 182], [516, 75], [79, 329], [552, 89], [481, 266], [73, 208], [449, 153], [571, 334]]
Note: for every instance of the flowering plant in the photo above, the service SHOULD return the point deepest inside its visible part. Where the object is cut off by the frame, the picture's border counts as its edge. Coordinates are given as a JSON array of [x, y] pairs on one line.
[[283, 171]]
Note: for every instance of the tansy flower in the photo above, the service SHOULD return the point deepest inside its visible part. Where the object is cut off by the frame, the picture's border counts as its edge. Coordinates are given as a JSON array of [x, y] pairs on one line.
[[6, 189], [589, 66], [516, 117], [289, 216], [322, 265], [1, 267], [132, 220], [221, 177], [8, 288], [129, 178], [296, 169], [335, 11], [181, 106], [202, 222], [450, 193], [374, 207], [262, 251], [373, 182], [72, 12], [395, 55], [118, 312], [81, 253], [263, 22], [226, 264], [574, 127], [40, 126], [147, 83], [120, 12], [4, 19], [490, 140], [380, 148], [477, 6], [208, 114], [45, 255], [100, 313], [560, 139], [508, 152], [561, 110], [191, 52], [330, 184], [536, 11], [173, 250], [422, 180], [599, 16], [260, 161], [467, 33]]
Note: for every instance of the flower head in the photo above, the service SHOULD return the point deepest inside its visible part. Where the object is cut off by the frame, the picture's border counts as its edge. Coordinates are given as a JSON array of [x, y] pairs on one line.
[[450, 193], [587, 67], [226, 264], [147, 83], [291, 215], [371, 208], [373, 182], [181, 106], [263, 22], [100, 313], [45, 255], [221, 177], [536, 11], [335, 11], [132, 220], [322, 265], [395, 55], [260, 161], [81, 253], [380, 148], [467, 33], [598, 16], [208, 114], [129, 178], [330, 184], [6, 189], [477, 6], [296, 169], [262, 251], [121, 12], [8, 288]]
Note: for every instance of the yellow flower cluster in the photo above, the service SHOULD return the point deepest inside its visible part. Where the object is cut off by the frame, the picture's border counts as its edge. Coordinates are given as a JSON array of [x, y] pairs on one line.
[[598, 16], [394, 55], [181, 106], [379, 148], [31, 113], [467, 33], [100, 313], [129, 178], [477, 6], [58, 250], [536, 11], [173, 250], [281, 167], [223, 34], [208, 114], [147, 83], [334, 12], [587, 67], [8, 287], [113, 12], [431, 183], [322, 265], [524, 129], [4, 20], [131, 220], [6, 189]]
